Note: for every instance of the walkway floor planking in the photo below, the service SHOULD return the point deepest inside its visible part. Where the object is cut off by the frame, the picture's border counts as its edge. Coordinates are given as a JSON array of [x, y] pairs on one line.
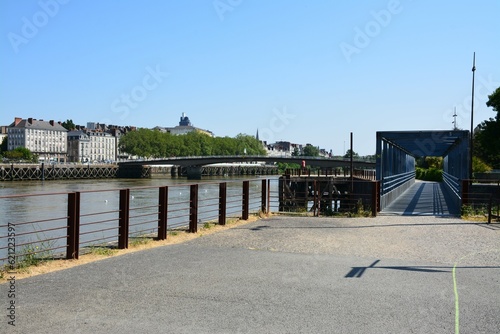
[[423, 198]]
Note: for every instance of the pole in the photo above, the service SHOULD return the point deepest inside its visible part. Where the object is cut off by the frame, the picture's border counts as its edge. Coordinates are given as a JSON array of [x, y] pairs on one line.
[[472, 117], [352, 169]]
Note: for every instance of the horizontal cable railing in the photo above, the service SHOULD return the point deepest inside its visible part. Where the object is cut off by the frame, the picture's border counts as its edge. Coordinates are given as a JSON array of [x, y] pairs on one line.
[[390, 183]]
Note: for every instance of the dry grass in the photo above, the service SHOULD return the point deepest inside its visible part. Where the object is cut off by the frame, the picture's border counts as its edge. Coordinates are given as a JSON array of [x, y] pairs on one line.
[[172, 239]]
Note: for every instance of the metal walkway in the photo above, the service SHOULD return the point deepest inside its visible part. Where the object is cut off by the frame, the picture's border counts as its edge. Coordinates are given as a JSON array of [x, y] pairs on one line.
[[423, 199]]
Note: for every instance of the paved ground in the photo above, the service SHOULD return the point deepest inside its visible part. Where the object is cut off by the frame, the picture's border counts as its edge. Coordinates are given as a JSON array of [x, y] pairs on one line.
[[424, 198], [282, 275]]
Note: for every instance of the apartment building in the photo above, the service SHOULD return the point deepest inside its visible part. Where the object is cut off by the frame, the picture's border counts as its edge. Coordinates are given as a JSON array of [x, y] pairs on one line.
[[45, 139], [78, 146], [91, 146]]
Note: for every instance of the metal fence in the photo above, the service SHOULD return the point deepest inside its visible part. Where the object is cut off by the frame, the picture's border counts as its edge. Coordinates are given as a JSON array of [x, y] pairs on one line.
[[68, 224], [481, 197], [75, 221]]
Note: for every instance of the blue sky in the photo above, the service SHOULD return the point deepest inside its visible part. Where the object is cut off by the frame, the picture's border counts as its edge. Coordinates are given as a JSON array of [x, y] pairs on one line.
[[300, 71]]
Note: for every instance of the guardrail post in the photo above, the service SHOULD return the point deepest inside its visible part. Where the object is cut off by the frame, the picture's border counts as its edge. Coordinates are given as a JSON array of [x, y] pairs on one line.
[[316, 200], [193, 209], [465, 192], [162, 212], [245, 198], [123, 224], [263, 197], [222, 203], [375, 204], [73, 231], [268, 207], [490, 204]]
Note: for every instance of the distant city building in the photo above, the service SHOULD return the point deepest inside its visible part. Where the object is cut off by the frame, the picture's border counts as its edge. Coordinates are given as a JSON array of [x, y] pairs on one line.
[[283, 148], [183, 128], [91, 146], [97, 143], [45, 139], [3, 133], [78, 146], [102, 146]]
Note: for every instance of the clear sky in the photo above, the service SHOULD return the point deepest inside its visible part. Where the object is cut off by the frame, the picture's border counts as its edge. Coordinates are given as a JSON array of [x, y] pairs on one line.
[[299, 71]]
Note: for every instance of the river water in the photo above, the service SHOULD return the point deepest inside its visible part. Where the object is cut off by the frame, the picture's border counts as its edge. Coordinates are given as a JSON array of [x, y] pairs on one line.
[[99, 205]]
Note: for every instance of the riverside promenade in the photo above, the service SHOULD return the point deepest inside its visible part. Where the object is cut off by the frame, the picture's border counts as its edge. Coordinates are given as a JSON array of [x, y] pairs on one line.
[[388, 274]]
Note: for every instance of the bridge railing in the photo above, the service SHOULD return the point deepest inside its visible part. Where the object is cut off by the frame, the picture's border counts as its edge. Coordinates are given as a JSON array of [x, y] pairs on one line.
[[452, 184], [393, 186]]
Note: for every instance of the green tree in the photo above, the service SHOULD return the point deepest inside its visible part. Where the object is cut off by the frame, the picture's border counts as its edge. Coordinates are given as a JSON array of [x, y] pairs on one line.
[[4, 145], [68, 125], [487, 137], [19, 153], [479, 166], [310, 151], [348, 154], [434, 162], [155, 144]]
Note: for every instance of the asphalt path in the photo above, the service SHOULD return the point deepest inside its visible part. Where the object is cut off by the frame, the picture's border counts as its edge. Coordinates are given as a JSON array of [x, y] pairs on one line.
[[282, 275]]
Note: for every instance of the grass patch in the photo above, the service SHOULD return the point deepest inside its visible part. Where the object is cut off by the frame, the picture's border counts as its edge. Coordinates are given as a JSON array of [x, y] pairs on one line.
[[139, 241], [102, 251]]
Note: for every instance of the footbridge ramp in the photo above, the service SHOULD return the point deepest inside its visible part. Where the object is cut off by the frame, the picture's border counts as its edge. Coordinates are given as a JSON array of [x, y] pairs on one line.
[[424, 199], [395, 169]]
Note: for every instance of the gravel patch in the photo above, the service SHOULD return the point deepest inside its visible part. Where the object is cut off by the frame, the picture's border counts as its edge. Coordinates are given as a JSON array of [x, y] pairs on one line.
[[424, 238]]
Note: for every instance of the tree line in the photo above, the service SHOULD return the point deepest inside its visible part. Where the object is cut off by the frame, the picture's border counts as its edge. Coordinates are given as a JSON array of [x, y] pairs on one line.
[[156, 144], [487, 136]]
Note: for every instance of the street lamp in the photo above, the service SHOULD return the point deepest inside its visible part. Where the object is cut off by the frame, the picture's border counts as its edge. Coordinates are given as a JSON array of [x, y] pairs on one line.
[[472, 117]]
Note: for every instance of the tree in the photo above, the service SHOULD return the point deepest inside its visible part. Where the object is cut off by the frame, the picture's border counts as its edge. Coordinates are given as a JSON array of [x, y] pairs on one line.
[[348, 154], [310, 151], [68, 125], [19, 153], [156, 144], [434, 162], [487, 137], [4, 145]]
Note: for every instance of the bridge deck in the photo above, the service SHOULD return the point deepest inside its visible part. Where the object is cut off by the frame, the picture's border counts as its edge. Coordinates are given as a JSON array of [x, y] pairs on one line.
[[423, 198]]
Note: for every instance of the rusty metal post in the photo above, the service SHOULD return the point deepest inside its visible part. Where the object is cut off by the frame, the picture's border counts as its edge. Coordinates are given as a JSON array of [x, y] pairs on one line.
[[378, 196], [352, 167], [123, 222], [374, 199], [73, 231], [490, 204], [268, 196], [315, 203], [193, 209], [263, 197], [245, 198], [162, 212], [222, 203]]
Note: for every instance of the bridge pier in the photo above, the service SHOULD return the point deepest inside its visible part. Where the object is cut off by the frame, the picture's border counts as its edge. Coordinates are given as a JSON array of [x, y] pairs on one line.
[[194, 172]]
